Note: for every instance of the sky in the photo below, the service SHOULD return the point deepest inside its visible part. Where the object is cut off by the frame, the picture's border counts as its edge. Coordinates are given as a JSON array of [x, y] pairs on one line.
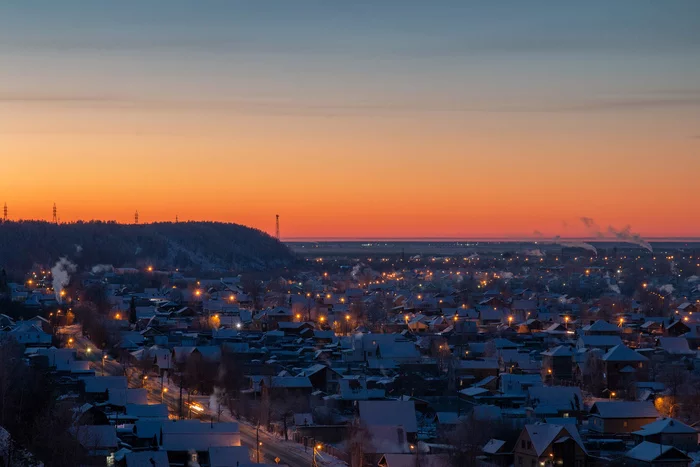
[[362, 119]]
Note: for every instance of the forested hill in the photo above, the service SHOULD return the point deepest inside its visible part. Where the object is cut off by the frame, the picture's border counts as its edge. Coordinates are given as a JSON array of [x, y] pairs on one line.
[[197, 245]]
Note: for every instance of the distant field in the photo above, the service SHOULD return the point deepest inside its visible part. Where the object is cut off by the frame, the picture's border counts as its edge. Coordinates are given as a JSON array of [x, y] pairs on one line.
[[447, 248]]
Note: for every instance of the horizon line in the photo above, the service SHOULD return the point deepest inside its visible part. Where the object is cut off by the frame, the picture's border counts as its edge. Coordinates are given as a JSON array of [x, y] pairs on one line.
[[514, 239]]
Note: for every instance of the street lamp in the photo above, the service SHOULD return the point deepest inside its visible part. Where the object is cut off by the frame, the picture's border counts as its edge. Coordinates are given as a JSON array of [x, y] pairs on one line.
[[317, 447]]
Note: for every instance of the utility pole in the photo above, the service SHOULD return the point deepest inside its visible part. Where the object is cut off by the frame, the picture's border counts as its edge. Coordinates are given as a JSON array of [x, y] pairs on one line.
[[257, 441], [180, 407]]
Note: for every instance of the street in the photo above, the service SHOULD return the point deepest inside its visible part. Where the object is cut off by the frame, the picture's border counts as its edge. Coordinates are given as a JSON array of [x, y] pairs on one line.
[[272, 449]]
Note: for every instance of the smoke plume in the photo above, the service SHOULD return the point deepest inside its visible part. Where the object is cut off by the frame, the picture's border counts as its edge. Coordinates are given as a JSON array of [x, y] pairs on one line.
[[586, 246], [61, 275], [614, 287], [592, 226], [356, 270], [102, 268], [78, 249], [536, 252], [626, 235], [667, 288]]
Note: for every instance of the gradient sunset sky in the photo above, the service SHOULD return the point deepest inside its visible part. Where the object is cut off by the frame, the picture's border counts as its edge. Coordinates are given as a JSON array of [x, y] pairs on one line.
[[358, 118]]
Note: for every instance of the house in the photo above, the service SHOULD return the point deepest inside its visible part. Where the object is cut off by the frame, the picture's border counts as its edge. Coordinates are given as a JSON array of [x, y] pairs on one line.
[[616, 417], [477, 369], [182, 436], [497, 453], [394, 347], [603, 343], [623, 366], [677, 328], [558, 362], [97, 387], [411, 460], [549, 444], [322, 377], [390, 413], [675, 346], [146, 459], [656, 455], [30, 335], [286, 386], [229, 456], [669, 432], [512, 384], [122, 397], [601, 328], [556, 401], [355, 389], [98, 441], [147, 411]]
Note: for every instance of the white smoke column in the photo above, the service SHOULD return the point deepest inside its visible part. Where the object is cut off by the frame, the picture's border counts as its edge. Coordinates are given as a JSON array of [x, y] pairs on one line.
[[626, 235], [78, 249], [214, 400], [565, 300], [537, 252], [506, 275], [356, 271], [586, 246], [102, 268], [614, 287], [61, 275], [668, 289]]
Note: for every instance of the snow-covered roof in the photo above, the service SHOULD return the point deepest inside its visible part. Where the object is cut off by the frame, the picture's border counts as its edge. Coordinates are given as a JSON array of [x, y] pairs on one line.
[[624, 409], [648, 452], [543, 434], [666, 426], [621, 353], [396, 413]]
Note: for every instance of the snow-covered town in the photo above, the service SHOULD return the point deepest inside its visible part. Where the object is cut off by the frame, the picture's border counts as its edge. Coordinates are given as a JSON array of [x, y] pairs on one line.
[[545, 356]]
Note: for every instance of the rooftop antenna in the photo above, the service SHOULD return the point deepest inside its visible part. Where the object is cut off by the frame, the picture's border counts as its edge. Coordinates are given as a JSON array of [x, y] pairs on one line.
[[176, 219], [277, 226], [55, 216], [136, 217], [4, 213]]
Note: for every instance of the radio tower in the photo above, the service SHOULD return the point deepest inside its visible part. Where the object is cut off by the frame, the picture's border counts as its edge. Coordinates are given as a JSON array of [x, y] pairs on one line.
[[136, 217], [55, 215], [4, 213], [277, 226]]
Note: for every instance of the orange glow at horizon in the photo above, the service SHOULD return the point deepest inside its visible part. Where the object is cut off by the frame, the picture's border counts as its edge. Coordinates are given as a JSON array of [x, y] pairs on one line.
[[351, 177], [358, 120]]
